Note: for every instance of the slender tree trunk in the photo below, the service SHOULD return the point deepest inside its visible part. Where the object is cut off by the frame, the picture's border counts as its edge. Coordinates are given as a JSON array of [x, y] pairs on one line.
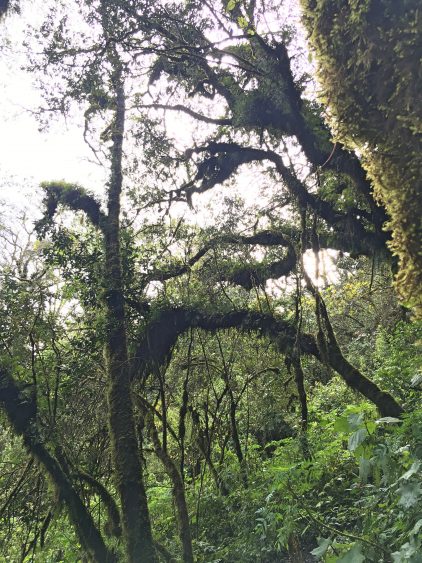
[[178, 494], [206, 451], [235, 436], [232, 416], [21, 412], [300, 385], [126, 458], [385, 403]]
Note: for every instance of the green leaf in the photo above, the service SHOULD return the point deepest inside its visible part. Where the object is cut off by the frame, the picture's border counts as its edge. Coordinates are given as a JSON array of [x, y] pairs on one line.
[[357, 438], [323, 545], [371, 427], [409, 494], [354, 555], [242, 22], [406, 553], [231, 5], [342, 425], [413, 469], [355, 420], [416, 527]]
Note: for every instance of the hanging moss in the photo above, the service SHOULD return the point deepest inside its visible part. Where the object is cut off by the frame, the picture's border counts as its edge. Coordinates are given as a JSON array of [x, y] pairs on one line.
[[369, 54]]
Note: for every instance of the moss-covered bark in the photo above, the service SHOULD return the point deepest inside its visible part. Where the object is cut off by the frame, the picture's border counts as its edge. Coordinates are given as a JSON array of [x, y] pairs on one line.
[[21, 412], [368, 54], [156, 345], [126, 460]]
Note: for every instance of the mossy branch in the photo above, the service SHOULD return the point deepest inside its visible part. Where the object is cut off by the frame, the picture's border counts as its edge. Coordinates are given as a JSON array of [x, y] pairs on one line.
[[162, 333], [21, 412], [263, 238], [72, 197], [156, 345], [113, 525], [256, 275], [223, 160]]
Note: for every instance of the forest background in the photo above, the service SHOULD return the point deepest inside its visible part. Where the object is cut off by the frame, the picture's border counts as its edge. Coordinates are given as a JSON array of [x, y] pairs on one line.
[[210, 332]]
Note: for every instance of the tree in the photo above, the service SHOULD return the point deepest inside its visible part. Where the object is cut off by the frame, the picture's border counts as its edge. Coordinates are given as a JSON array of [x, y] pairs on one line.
[[370, 78]]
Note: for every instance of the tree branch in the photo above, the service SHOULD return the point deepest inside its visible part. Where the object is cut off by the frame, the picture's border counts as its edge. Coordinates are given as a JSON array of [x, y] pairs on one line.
[[72, 197], [113, 525], [191, 112], [155, 346], [225, 159], [256, 275], [21, 412], [264, 238]]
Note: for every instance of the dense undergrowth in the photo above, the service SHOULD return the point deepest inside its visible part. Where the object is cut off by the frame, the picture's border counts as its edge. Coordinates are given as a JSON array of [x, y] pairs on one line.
[[358, 496]]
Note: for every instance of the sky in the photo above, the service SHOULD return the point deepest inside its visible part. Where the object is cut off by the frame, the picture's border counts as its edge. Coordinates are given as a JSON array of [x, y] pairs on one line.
[[29, 156]]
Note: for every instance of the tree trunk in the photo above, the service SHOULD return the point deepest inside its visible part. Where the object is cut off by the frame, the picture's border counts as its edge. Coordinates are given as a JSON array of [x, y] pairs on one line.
[[178, 494], [21, 411], [126, 459]]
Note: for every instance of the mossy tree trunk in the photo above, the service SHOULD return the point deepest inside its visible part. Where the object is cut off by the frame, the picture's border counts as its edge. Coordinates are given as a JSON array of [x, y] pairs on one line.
[[369, 70], [126, 459], [21, 412]]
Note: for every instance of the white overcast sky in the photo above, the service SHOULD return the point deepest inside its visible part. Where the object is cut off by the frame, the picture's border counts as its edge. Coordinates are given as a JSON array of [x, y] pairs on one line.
[[28, 156]]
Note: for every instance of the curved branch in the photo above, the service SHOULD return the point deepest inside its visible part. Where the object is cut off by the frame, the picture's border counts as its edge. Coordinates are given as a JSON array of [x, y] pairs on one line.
[[256, 275], [188, 111], [113, 526], [178, 492], [155, 347], [147, 406], [352, 376], [72, 197], [161, 335], [226, 158], [249, 276], [264, 238], [21, 412], [334, 157]]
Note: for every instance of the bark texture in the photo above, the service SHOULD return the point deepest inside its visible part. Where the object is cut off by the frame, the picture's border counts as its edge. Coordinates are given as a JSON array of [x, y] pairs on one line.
[[21, 412], [136, 524]]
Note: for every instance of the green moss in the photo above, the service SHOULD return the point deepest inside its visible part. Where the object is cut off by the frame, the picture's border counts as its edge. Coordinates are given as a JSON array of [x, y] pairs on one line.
[[369, 54]]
